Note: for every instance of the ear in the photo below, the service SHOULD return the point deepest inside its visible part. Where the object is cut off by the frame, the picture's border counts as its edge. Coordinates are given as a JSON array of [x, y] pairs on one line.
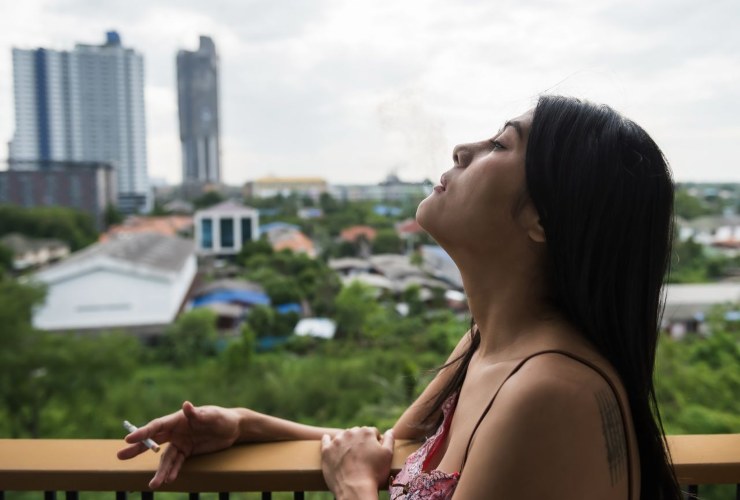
[[536, 232], [531, 222]]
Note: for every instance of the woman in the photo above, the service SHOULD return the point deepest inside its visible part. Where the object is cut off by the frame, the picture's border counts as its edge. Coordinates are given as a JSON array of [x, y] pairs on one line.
[[561, 228]]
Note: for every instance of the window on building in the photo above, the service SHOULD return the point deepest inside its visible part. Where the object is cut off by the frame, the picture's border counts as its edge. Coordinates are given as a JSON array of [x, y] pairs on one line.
[[246, 223], [206, 233], [227, 233]]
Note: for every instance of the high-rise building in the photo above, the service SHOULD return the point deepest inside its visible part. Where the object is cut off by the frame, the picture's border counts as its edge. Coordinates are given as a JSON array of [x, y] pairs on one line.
[[83, 105], [197, 86]]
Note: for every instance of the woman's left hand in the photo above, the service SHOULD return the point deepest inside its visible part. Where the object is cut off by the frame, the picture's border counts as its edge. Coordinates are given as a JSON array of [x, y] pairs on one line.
[[356, 461]]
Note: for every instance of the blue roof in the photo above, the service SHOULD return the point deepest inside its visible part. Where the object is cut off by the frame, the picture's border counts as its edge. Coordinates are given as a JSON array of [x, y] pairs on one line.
[[231, 296], [386, 210], [290, 307]]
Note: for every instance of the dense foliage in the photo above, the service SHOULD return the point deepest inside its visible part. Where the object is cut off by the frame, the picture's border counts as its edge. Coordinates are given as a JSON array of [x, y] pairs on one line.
[[71, 226]]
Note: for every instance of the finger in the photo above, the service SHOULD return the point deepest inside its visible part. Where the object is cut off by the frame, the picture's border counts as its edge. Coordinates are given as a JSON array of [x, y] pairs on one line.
[[325, 441], [157, 427], [131, 451], [189, 410], [388, 440], [165, 464], [176, 465]]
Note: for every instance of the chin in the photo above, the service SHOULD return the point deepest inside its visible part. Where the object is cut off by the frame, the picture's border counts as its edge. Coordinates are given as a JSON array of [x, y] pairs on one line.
[[426, 218]]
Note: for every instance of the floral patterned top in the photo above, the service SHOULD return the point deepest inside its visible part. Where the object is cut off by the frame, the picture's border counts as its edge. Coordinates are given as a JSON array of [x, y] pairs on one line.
[[414, 481]]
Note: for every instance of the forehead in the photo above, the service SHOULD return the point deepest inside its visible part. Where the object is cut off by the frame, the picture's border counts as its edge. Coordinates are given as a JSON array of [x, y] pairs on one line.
[[521, 124]]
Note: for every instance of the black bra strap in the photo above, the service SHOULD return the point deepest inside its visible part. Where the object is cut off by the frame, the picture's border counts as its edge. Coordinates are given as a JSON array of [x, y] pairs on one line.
[[584, 361]]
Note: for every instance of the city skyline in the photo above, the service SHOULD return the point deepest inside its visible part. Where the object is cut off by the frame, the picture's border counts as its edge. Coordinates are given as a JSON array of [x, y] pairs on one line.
[[354, 90]]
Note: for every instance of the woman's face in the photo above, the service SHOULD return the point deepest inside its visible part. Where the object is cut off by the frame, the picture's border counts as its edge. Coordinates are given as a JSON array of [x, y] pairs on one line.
[[475, 204]]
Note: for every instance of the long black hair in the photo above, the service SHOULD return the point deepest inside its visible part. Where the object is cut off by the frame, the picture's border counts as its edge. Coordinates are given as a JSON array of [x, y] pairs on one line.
[[604, 195]]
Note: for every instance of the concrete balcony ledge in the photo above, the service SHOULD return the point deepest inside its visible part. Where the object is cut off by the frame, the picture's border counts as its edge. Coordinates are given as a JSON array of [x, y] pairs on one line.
[[91, 465]]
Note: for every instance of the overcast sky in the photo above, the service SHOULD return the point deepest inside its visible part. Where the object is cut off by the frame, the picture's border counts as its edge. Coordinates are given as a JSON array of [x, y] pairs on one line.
[[352, 90]]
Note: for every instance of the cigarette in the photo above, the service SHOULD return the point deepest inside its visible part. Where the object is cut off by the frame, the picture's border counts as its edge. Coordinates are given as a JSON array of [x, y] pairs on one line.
[[148, 442]]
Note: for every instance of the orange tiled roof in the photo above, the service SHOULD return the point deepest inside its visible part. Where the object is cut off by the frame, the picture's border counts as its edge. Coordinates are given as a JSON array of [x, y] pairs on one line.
[[409, 226], [354, 232], [295, 241], [168, 225]]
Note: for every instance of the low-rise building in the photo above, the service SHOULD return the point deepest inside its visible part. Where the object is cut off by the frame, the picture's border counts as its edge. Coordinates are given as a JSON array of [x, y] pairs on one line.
[[33, 252], [268, 187], [222, 229], [86, 186], [166, 225], [284, 236], [136, 282], [687, 305], [391, 189], [439, 264], [717, 231]]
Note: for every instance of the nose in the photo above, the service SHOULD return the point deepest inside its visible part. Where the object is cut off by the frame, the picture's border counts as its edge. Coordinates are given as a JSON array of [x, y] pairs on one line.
[[462, 155]]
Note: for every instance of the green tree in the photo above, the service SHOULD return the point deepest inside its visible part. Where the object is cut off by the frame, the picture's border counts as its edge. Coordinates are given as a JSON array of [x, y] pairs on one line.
[[112, 216], [688, 206], [354, 307], [252, 249], [6, 260], [71, 226], [387, 241], [191, 337], [261, 320], [208, 199]]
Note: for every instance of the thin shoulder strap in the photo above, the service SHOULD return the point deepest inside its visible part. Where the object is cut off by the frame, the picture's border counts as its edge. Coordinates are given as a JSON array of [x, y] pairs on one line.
[[584, 361]]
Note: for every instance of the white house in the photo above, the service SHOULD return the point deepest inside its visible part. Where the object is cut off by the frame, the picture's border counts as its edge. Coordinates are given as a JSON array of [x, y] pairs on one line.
[[223, 228], [133, 281]]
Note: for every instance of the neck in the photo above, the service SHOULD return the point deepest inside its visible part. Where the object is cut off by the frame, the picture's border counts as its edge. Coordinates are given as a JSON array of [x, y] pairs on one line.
[[507, 300]]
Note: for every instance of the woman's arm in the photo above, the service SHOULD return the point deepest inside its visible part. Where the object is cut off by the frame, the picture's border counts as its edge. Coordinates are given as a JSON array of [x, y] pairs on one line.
[[196, 430]]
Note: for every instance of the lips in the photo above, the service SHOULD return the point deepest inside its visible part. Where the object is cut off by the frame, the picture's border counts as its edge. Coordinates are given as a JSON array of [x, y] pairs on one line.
[[442, 185]]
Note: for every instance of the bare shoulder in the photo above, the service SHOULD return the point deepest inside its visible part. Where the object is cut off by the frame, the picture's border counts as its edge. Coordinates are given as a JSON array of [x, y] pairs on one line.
[[554, 431]]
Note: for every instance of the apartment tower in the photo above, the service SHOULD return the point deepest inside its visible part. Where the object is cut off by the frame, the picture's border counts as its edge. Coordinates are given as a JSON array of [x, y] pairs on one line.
[[84, 105], [197, 86]]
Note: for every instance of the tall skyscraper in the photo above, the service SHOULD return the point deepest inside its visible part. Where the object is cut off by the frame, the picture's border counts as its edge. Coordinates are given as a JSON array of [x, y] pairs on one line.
[[83, 105], [197, 86]]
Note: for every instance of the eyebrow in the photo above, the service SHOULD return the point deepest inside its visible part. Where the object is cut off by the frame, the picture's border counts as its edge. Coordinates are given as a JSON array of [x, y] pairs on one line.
[[517, 126]]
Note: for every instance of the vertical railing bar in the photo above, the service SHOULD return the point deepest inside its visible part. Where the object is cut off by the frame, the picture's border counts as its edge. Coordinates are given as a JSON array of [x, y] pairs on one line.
[[50, 495], [693, 492], [147, 495], [737, 492], [71, 495], [194, 496], [267, 495], [299, 495], [223, 495], [2, 495], [121, 495]]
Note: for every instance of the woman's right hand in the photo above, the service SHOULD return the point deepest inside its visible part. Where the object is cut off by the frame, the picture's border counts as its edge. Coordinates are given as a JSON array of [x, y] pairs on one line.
[[190, 431]]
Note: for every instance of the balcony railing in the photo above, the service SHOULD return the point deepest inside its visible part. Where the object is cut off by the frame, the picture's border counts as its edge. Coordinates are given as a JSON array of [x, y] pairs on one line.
[[73, 465]]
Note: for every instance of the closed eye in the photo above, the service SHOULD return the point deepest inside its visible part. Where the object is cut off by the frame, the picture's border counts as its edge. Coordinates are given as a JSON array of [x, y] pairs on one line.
[[497, 146]]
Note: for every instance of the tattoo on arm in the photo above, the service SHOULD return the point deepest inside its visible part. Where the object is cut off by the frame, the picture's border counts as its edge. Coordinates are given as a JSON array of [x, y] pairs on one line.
[[613, 429]]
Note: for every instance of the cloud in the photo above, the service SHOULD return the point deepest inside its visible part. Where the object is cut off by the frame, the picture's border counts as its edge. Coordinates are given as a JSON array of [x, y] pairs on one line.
[[354, 89]]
